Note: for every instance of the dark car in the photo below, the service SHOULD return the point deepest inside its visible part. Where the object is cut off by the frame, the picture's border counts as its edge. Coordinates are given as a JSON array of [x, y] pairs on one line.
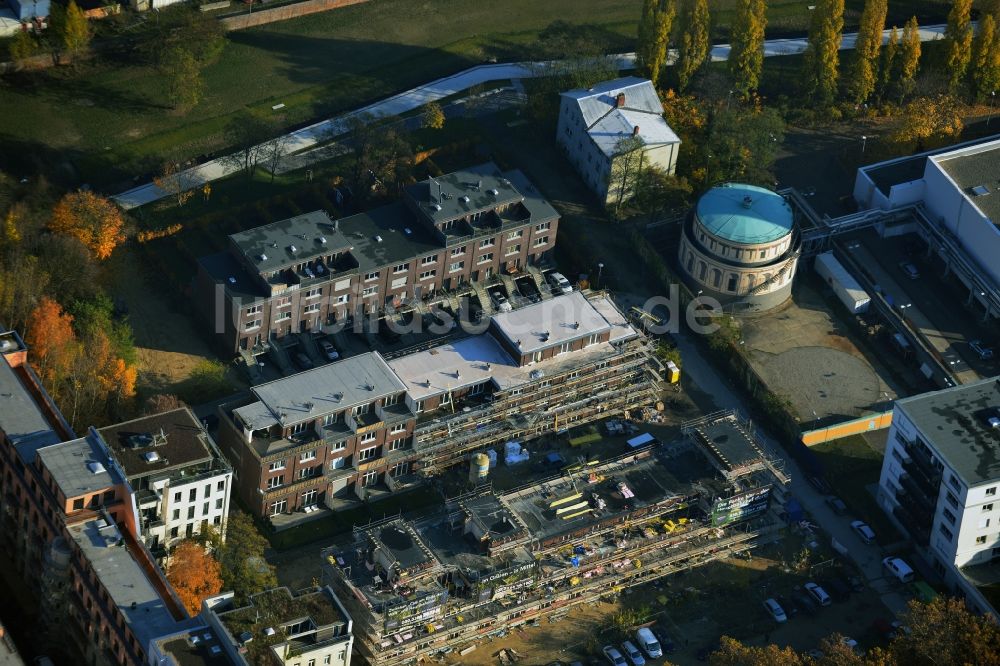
[[791, 610], [836, 505], [805, 603], [303, 361], [856, 583]]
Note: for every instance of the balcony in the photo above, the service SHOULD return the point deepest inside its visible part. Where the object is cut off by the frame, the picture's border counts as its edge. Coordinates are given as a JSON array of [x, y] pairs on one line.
[[920, 533], [365, 423], [916, 494], [920, 460]]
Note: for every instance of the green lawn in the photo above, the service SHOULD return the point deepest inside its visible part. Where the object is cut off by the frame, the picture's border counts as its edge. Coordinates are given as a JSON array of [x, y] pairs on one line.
[[850, 465], [104, 123]]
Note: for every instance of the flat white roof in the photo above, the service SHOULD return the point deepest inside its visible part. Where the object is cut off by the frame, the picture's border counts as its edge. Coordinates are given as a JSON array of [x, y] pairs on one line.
[[550, 323], [450, 367], [620, 328]]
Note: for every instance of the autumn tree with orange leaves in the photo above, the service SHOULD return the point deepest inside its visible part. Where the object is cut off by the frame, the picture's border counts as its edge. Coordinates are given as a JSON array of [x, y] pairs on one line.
[[53, 344], [96, 221], [194, 574]]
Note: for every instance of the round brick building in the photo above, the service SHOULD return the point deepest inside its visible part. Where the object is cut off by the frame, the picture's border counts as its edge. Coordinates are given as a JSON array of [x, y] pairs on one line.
[[739, 246]]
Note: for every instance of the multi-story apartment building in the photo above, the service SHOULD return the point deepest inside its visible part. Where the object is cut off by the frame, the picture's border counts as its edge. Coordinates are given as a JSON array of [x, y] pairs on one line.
[[363, 427], [277, 628], [180, 479], [311, 271], [301, 440], [486, 562], [940, 478]]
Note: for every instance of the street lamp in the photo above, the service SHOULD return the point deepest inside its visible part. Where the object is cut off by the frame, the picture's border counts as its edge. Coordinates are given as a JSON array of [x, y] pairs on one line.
[[993, 96], [600, 269], [864, 142]]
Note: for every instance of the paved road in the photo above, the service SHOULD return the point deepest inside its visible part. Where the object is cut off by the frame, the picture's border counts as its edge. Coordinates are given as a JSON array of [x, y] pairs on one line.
[[309, 137]]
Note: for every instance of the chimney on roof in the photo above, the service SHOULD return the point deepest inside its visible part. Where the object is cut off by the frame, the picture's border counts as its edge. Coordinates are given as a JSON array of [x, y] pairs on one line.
[[635, 131], [620, 100]]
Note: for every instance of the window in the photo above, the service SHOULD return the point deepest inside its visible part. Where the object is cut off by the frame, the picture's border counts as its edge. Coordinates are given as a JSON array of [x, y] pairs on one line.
[[220, 486], [396, 429], [514, 249], [276, 481], [217, 520], [367, 454], [457, 266], [313, 293], [306, 456], [432, 259], [988, 507], [984, 523], [895, 454], [489, 242], [733, 281], [763, 253], [190, 512], [418, 406], [514, 235], [544, 240], [251, 325], [991, 491], [426, 275], [177, 514], [307, 472], [299, 428], [564, 347], [397, 444], [980, 539], [78, 504], [390, 400], [593, 339], [371, 478], [193, 495], [283, 302], [369, 291], [204, 509], [342, 300], [282, 316], [951, 500], [309, 309], [401, 268], [277, 465], [218, 503], [458, 251], [173, 532], [279, 507], [257, 309], [177, 496], [954, 482], [338, 446], [486, 257], [371, 276], [544, 226], [946, 532], [949, 516]]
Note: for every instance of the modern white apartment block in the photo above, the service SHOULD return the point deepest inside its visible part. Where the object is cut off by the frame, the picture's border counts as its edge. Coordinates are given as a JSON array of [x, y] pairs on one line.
[[181, 483], [593, 124], [940, 479]]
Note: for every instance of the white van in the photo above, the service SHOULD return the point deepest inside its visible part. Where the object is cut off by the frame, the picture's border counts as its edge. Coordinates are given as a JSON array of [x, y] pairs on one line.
[[647, 641], [818, 594], [898, 568], [863, 531]]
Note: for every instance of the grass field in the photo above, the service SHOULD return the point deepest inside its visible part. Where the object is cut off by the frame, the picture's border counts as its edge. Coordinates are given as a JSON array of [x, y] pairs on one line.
[[106, 123]]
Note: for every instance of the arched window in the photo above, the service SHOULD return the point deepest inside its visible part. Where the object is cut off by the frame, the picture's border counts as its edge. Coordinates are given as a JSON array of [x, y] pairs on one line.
[[716, 278], [702, 270]]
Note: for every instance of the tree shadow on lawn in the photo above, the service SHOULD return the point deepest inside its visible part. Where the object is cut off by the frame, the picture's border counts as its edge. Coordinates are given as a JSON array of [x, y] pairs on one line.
[[63, 167], [71, 89]]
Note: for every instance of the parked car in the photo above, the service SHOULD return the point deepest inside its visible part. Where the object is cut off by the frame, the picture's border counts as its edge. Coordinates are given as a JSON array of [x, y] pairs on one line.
[[909, 269], [806, 603], [818, 594], [329, 350], [985, 353], [666, 642], [647, 641], [898, 568], [787, 605], [864, 532], [838, 588], [560, 283], [775, 610], [500, 302], [303, 361], [614, 657], [836, 505], [633, 654]]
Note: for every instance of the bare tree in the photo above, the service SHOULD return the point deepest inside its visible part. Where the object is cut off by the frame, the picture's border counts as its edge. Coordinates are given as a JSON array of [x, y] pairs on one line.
[[272, 152], [246, 135], [626, 165]]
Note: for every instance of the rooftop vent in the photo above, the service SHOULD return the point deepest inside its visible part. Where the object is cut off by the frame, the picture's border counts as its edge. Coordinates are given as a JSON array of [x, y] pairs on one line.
[[620, 100], [436, 206], [322, 239], [408, 231], [293, 249], [95, 467], [263, 257], [246, 637], [465, 199], [215, 650], [980, 191], [140, 440], [378, 239], [232, 280], [269, 631], [495, 192], [152, 456], [370, 386], [994, 422], [747, 201], [635, 131], [338, 396]]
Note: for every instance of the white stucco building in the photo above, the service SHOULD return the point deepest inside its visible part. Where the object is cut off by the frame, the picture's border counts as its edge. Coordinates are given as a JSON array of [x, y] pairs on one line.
[[958, 189], [594, 122], [940, 481]]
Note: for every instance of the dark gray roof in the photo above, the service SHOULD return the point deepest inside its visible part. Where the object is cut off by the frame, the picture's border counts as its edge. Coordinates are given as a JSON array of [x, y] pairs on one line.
[[444, 197], [184, 442], [955, 423], [79, 467], [22, 420], [222, 266], [536, 204], [976, 170], [329, 388], [288, 242], [896, 173], [199, 646], [402, 237]]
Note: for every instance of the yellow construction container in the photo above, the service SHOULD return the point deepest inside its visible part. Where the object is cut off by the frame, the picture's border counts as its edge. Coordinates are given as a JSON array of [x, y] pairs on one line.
[[673, 372]]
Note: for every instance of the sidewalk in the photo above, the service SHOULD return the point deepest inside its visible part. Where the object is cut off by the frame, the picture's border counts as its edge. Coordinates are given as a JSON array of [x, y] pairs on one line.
[[329, 129]]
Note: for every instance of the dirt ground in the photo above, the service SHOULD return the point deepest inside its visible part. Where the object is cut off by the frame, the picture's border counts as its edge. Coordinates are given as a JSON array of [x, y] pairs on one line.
[[805, 353], [167, 343]]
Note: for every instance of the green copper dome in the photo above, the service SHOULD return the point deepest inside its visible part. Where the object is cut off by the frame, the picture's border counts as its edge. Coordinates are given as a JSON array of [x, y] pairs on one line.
[[745, 214]]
